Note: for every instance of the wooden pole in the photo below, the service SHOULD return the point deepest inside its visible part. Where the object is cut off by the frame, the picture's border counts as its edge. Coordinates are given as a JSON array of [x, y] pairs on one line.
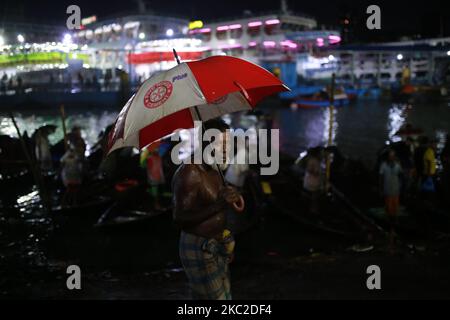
[[330, 131], [34, 169], [63, 120]]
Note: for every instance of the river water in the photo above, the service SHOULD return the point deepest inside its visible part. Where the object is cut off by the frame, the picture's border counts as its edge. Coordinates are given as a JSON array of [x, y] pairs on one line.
[[359, 130]]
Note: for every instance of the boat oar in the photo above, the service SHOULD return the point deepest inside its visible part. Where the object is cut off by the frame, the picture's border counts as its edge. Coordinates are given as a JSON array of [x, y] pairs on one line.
[[330, 132], [63, 120]]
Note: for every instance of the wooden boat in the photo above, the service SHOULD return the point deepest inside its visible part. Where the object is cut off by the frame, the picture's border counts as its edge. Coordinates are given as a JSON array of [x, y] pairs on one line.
[[320, 101], [337, 214]]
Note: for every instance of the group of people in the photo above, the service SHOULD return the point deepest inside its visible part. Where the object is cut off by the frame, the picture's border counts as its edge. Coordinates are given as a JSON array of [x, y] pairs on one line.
[[10, 83]]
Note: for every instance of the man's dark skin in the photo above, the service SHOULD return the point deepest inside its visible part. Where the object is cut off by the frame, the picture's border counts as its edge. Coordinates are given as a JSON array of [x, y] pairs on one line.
[[201, 200]]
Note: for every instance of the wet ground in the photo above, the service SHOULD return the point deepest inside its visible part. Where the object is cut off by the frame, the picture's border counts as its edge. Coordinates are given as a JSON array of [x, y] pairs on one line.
[[276, 259]]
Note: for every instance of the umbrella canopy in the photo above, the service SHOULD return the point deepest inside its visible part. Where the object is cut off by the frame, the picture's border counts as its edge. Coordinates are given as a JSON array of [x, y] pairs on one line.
[[170, 100]]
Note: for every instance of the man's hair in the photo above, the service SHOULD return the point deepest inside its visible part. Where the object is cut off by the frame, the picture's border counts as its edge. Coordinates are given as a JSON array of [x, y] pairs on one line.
[[218, 124]]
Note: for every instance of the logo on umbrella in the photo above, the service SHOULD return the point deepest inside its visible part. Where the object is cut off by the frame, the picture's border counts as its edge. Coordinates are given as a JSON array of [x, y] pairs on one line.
[[158, 94]]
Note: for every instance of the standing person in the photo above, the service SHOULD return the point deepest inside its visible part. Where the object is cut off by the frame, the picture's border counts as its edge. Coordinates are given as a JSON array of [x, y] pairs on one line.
[[80, 81], [200, 205], [390, 171], [71, 175], [429, 167], [152, 161], [75, 138], [312, 181], [419, 153], [42, 147]]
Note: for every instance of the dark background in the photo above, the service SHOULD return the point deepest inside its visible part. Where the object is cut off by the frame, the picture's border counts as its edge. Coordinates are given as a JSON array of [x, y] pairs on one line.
[[417, 19]]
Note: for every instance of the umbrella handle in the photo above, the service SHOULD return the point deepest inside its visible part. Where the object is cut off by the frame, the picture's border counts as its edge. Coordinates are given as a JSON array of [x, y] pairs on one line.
[[239, 205]]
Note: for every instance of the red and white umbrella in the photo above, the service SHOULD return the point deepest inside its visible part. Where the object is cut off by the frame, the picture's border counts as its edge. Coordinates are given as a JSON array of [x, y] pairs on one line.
[[170, 100]]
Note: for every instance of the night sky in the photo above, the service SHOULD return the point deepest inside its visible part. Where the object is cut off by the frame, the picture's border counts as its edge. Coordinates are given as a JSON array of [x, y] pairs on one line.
[[427, 18]]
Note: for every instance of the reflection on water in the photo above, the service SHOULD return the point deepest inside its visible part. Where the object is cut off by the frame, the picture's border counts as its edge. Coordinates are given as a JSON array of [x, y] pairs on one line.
[[397, 117], [327, 124], [359, 130], [92, 123]]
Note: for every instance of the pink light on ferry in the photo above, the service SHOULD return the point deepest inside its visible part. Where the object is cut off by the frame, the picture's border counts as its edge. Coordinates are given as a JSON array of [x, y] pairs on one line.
[[204, 30], [254, 24], [319, 42], [288, 43], [269, 44], [232, 46], [334, 39], [234, 26], [272, 21], [252, 44], [222, 28]]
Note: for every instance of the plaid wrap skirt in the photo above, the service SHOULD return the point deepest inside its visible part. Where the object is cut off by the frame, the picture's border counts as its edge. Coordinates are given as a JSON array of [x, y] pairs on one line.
[[205, 262]]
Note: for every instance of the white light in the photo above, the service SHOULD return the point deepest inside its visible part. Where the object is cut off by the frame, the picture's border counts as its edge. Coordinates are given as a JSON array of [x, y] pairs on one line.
[[399, 56], [67, 38], [231, 41], [169, 32], [20, 38], [2, 41], [448, 52], [141, 35], [119, 67], [331, 57]]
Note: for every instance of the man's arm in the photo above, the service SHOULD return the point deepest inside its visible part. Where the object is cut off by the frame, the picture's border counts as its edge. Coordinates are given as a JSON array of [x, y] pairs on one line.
[[187, 204]]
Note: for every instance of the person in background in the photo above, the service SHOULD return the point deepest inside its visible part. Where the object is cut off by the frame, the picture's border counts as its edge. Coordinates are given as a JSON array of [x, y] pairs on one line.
[[405, 155], [429, 168], [71, 175], [42, 147], [75, 139], [390, 175], [152, 161], [312, 181], [419, 153], [80, 81]]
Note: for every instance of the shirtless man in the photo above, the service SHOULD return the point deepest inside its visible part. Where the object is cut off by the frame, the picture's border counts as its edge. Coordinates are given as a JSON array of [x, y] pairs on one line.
[[200, 205]]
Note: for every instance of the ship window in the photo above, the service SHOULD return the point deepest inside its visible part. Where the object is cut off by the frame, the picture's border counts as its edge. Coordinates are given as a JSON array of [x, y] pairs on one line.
[[221, 34], [254, 31], [236, 33], [271, 29], [206, 36]]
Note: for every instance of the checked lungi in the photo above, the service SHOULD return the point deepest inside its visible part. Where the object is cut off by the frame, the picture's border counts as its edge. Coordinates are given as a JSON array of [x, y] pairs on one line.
[[205, 262]]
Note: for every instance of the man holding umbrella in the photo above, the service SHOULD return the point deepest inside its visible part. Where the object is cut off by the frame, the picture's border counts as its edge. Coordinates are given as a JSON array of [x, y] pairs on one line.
[[200, 205], [193, 91]]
